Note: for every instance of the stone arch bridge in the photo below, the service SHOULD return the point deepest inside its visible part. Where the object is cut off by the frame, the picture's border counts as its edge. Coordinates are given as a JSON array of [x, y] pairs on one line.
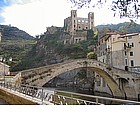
[[123, 84]]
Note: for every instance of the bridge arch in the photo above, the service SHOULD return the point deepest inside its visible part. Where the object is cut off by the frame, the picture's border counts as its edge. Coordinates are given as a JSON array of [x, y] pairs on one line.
[[40, 76]]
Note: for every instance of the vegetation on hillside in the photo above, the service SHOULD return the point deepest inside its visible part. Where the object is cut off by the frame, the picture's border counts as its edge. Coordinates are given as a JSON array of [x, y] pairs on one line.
[[49, 48], [16, 44], [13, 33], [130, 27]]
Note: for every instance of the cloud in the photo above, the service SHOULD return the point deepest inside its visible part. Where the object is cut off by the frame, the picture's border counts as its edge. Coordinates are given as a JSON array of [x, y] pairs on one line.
[[8, 3], [34, 16], [19, 1]]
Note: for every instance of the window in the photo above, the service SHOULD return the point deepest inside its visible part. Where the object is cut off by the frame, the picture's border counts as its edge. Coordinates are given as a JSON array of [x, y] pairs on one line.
[[131, 44], [125, 53], [125, 46], [79, 27], [129, 37], [131, 63], [74, 26], [126, 62], [131, 54], [128, 44]]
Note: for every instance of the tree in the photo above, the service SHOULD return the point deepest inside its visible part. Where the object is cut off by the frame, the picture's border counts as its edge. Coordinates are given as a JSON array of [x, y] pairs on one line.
[[92, 55], [125, 8]]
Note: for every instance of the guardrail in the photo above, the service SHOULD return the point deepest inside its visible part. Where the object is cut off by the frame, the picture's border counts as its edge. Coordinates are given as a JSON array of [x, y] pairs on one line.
[[58, 97], [45, 96], [99, 99]]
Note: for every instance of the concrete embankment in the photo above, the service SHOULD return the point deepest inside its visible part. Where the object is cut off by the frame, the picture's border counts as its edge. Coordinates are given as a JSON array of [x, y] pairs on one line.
[[13, 99]]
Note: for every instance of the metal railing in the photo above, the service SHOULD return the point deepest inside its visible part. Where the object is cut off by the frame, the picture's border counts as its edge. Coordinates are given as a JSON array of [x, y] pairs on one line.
[[58, 97], [100, 99], [45, 96]]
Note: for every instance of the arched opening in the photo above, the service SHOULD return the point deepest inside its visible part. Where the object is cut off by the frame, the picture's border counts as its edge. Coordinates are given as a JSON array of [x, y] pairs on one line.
[[42, 75], [112, 84]]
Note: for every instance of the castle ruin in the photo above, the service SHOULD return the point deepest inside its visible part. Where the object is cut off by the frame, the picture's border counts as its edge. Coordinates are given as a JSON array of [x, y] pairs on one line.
[[77, 27]]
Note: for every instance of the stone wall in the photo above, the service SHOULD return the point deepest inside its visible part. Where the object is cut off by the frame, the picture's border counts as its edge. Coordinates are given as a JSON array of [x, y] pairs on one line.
[[14, 99]]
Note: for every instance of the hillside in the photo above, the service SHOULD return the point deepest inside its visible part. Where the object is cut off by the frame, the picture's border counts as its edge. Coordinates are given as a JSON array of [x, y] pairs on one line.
[[129, 27], [15, 43], [50, 49], [13, 33]]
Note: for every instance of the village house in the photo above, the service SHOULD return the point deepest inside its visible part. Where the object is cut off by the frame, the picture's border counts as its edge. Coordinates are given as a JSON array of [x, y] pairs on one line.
[[4, 70], [120, 50]]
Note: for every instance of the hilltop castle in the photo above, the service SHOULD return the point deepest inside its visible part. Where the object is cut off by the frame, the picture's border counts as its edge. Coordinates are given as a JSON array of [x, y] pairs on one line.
[[75, 28], [74, 23]]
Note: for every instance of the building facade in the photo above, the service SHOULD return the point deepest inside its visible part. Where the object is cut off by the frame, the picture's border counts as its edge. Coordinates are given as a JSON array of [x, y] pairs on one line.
[[77, 27], [74, 23], [4, 70], [120, 50]]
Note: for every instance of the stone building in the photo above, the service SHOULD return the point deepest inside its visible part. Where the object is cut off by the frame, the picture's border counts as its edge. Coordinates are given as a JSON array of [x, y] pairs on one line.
[[77, 27], [4, 70], [53, 29], [120, 50]]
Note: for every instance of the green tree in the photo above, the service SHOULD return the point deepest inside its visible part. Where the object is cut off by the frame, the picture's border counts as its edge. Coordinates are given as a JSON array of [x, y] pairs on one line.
[[92, 55]]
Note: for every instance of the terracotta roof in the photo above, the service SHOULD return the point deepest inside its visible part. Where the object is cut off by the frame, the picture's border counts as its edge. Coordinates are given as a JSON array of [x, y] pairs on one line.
[[126, 35]]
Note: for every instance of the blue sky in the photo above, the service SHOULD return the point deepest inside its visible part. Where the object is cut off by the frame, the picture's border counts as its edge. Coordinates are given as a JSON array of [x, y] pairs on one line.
[[33, 16], [3, 4]]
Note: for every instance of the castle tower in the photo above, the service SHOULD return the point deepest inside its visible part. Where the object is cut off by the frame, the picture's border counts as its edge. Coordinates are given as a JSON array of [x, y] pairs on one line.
[[73, 21], [91, 20]]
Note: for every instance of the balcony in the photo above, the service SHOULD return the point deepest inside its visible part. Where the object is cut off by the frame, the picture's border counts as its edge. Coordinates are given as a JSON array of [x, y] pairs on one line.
[[128, 46]]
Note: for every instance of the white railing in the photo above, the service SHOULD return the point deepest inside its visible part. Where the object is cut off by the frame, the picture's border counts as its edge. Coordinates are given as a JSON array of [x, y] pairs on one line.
[[58, 97]]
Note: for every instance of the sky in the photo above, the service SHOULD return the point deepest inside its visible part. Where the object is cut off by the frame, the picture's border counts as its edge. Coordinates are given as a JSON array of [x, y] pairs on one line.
[[33, 16]]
